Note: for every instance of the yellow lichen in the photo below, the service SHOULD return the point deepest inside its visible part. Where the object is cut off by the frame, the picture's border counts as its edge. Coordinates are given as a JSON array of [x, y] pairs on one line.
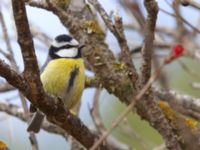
[[191, 123], [2, 145], [62, 3], [172, 116], [90, 80], [169, 113], [119, 66], [92, 26], [93, 81]]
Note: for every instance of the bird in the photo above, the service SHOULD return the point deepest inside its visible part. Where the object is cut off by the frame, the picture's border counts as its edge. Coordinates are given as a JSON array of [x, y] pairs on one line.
[[63, 77]]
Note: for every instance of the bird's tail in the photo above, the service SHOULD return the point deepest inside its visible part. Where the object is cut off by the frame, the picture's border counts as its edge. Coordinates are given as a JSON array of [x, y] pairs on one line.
[[36, 122]]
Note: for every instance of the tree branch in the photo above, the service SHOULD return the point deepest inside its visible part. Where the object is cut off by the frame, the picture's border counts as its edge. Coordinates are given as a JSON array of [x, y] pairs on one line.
[[12, 77], [118, 32], [148, 107], [109, 71], [55, 111], [18, 112], [175, 98], [147, 49]]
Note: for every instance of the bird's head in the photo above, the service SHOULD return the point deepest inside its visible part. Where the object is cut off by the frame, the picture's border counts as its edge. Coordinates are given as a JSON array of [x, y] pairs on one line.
[[64, 46]]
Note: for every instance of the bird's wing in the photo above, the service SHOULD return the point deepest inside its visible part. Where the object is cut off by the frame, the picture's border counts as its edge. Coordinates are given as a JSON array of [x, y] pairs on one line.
[[70, 84]]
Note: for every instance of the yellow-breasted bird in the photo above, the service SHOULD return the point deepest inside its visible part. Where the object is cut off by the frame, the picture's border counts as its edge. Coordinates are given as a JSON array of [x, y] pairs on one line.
[[63, 77]]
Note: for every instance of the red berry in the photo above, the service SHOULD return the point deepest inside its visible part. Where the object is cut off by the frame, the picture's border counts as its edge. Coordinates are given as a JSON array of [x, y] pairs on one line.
[[177, 50]]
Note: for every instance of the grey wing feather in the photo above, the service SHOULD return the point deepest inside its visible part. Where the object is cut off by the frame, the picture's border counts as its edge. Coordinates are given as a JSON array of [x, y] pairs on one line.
[[69, 85]]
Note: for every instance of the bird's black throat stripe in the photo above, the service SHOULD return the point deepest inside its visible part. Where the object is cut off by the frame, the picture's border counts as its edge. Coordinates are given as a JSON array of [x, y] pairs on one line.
[[53, 50], [72, 78]]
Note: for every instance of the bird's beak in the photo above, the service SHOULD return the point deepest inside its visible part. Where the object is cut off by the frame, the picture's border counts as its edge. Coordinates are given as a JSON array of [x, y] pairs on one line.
[[81, 46]]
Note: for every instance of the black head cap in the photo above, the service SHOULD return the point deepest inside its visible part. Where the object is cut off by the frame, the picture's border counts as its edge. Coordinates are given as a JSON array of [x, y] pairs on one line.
[[63, 38]]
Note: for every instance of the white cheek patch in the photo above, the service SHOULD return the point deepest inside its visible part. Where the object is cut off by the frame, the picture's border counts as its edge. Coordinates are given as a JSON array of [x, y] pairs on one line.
[[74, 42], [57, 44], [71, 52]]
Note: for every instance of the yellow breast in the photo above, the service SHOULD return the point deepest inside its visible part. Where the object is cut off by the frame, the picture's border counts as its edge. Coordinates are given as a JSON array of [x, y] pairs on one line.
[[56, 79]]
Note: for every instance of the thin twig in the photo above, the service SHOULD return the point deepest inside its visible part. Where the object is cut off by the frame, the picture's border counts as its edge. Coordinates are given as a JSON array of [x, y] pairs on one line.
[[95, 113], [32, 137], [184, 20], [6, 87], [116, 122], [189, 70], [179, 23], [147, 49], [18, 112], [193, 3], [118, 31], [9, 55], [136, 11], [126, 54]]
